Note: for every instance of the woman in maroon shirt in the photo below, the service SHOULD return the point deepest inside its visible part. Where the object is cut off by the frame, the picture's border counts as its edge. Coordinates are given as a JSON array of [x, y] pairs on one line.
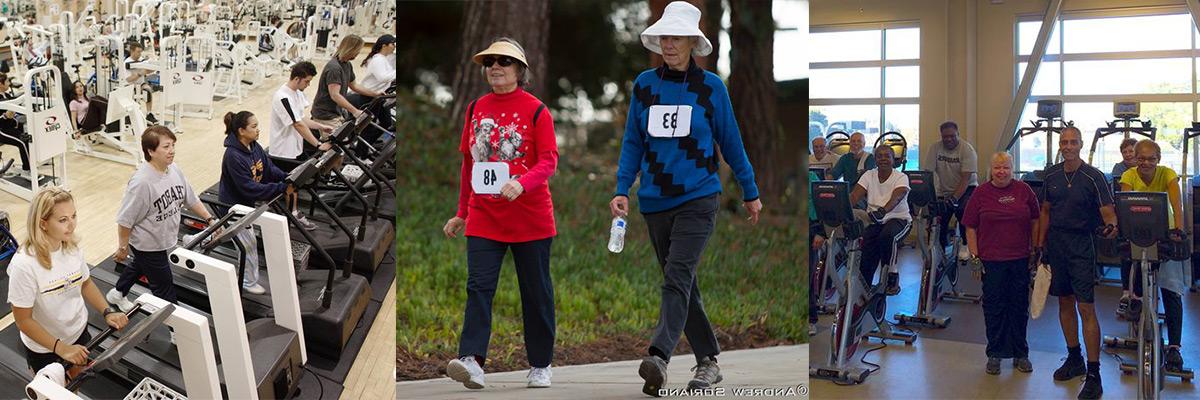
[[509, 153], [1000, 220]]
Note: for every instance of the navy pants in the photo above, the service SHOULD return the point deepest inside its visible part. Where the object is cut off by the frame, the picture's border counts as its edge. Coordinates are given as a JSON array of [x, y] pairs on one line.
[[157, 269], [679, 236], [532, 260], [1006, 307]]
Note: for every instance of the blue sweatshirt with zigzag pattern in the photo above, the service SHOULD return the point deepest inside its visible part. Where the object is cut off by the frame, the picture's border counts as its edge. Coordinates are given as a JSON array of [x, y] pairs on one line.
[[676, 170]]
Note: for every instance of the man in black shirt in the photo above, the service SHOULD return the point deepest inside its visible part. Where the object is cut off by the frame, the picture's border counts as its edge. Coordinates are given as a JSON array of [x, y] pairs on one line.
[[1077, 202]]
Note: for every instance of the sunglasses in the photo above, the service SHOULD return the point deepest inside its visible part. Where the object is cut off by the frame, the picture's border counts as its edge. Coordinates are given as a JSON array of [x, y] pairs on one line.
[[503, 60]]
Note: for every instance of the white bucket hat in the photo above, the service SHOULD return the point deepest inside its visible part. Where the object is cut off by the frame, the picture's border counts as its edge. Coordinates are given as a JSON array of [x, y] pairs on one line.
[[679, 19]]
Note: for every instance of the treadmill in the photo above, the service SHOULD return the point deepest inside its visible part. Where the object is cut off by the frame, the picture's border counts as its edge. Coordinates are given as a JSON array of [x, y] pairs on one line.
[[273, 369], [364, 240], [328, 303], [382, 168]]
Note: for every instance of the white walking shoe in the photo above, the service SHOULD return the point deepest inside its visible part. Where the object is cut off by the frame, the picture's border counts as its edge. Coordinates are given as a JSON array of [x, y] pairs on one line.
[[115, 298], [255, 289], [539, 377], [467, 371]]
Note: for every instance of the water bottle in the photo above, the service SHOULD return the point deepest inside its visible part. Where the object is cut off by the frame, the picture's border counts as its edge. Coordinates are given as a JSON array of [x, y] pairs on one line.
[[616, 238]]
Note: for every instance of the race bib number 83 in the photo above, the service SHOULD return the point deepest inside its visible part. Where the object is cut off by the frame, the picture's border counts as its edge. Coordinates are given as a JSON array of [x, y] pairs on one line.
[[489, 177], [669, 121]]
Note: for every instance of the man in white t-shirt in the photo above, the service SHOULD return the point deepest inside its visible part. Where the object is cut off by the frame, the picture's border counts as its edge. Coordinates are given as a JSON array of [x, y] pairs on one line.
[[137, 76], [289, 129], [821, 157], [886, 191]]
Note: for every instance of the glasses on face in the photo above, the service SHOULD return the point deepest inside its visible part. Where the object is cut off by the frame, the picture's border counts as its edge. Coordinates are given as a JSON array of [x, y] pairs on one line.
[[503, 60], [1150, 159]]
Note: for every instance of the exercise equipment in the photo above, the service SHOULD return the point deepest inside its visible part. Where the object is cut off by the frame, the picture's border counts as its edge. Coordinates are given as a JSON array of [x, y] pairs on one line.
[[1049, 122], [898, 144], [1142, 222], [864, 305], [939, 275], [47, 129]]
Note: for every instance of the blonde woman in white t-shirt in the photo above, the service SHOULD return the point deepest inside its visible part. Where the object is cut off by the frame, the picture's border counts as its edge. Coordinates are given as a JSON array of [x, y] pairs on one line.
[[886, 191], [49, 283]]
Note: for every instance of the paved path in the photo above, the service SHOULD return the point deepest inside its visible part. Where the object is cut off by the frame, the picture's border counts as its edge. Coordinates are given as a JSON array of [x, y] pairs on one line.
[[781, 370]]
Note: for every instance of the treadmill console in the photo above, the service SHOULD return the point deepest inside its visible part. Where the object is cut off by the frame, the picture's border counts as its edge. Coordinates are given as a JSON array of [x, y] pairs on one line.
[[1126, 109], [1049, 109]]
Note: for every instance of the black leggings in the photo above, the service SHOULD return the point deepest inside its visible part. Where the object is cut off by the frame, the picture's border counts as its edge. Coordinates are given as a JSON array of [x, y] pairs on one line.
[[10, 138], [879, 246], [1172, 302]]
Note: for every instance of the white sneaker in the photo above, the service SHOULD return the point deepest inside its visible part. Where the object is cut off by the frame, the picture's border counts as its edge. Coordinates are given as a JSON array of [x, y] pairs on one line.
[[304, 222], [172, 336], [964, 253], [467, 371], [539, 377], [255, 289], [115, 298]]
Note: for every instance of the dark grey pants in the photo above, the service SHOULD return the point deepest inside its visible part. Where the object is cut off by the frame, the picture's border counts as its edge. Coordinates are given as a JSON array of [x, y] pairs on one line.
[[679, 236]]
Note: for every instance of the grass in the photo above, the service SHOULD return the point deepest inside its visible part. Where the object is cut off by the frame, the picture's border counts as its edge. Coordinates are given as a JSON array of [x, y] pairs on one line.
[[751, 277]]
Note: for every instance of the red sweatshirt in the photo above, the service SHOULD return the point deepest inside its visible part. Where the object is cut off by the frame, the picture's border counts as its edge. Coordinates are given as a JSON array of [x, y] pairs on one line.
[[501, 128]]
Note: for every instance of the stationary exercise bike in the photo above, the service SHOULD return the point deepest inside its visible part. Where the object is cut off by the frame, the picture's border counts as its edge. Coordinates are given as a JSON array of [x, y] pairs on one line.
[[864, 304], [829, 267], [1142, 220], [940, 268]]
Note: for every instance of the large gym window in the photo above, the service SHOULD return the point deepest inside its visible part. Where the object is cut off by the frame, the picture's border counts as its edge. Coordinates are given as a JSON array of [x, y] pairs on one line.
[[1095, 58], [866, 78]]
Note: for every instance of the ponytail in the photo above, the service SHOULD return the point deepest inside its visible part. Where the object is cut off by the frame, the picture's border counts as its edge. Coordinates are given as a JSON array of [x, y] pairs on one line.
[[379, 43], [234, 122]]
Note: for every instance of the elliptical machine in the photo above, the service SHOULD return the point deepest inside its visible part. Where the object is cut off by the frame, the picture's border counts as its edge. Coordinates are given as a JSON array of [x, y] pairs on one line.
[[863, 302], [940, 268], [1142, 220]]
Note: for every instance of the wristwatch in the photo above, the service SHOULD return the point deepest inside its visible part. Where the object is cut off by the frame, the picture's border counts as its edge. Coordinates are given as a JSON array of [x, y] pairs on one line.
[[109, 310]]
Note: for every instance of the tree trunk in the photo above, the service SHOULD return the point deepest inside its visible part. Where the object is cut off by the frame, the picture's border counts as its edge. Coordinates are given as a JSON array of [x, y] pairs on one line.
[[708, 62], [752, 92], [526, 21]]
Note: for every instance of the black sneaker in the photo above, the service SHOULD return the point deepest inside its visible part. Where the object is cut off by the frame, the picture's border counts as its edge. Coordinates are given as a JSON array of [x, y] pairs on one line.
[[993, 366], [1091, 388], [151, 118], [1174, 359], [707, 374], [1022, 364], [1071, 368], [893, 284], [654, 371]]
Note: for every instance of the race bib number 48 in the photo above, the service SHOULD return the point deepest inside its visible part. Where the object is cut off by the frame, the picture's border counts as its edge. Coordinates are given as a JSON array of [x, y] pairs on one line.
[[669, 121], [489, 177]]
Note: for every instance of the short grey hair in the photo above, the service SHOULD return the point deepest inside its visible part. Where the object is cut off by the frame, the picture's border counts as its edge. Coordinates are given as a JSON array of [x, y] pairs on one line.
[[523, 75]]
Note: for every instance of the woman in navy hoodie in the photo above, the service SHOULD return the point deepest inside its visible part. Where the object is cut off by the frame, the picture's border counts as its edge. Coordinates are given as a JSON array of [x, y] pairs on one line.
[[248, 177]]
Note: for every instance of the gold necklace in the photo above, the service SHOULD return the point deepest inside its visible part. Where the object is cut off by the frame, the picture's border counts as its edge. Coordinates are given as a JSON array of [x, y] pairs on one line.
[[1070, 176]]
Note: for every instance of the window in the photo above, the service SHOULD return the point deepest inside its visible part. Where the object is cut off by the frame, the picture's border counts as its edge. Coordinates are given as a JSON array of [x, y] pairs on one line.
[[867, 78], [1095, 58]]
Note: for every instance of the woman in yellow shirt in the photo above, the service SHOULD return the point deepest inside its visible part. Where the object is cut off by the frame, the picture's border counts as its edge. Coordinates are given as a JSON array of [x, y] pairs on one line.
[[1148, 176]]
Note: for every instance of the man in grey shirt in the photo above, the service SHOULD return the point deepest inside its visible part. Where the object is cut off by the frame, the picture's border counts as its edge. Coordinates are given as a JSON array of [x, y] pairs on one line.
[[148, 220], [954, 166]]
